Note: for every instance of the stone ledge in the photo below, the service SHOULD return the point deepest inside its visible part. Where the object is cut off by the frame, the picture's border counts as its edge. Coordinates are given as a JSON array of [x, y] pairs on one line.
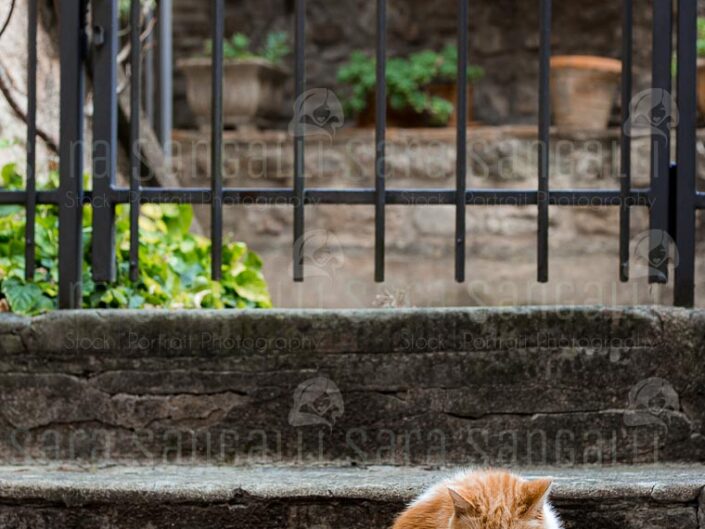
[[383, 330], [343, 498], [208, 484], [420, 135]]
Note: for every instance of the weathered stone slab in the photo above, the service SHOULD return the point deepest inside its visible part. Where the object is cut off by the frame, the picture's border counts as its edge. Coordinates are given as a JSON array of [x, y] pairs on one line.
[[281, 497], [562, 386]]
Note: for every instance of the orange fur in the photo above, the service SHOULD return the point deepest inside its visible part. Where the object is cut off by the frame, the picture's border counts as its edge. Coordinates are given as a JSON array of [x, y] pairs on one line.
[[487, 499]]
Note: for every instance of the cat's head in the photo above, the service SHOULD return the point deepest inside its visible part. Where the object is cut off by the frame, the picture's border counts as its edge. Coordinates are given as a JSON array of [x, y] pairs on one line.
[[499, 500]]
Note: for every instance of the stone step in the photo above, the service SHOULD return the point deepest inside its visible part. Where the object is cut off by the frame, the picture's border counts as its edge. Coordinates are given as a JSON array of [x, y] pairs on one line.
[[529, 386], [205, 497]]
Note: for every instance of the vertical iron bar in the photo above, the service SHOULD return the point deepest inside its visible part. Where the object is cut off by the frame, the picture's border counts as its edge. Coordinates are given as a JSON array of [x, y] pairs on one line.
[[31, 205], [72, 41], [300, 87], [625, 141], [217, 140], [149, 70], [672, 194], [684, 288], [165, 74], [380, 137], [135, 111], [660, 140], [105, 49], [544, 138], [461, 141]]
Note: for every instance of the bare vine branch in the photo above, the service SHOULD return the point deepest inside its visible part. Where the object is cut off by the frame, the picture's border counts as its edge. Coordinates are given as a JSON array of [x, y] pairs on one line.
[[51, 143]]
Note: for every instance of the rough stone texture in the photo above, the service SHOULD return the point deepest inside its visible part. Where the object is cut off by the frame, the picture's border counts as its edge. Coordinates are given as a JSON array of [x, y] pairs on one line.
[[13, 76], [503, 39], [263, 498], [563, 386], [501, 240]]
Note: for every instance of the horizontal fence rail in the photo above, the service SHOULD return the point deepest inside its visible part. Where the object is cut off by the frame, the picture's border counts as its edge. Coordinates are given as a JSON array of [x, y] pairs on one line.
[[672, 198]]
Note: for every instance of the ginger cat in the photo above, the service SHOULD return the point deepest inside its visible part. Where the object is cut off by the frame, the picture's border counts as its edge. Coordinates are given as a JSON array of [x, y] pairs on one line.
[[483, 499]]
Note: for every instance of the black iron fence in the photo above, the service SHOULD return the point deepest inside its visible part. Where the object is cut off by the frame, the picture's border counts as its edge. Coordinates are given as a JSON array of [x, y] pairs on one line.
[[672, 197]]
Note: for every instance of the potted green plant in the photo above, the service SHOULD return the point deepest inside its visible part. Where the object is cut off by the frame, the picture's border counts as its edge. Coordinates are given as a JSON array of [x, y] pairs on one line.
[[421, 88], [254, 81], [583, 90]]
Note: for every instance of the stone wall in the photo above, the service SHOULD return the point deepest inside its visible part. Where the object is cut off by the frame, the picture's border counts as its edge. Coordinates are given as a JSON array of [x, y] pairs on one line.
[[518, 386], [501, 240], [504, 40]]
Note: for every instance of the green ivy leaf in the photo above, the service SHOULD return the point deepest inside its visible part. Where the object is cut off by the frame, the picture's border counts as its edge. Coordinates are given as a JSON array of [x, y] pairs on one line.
[[250, 285], [25, 298], [11, 179]]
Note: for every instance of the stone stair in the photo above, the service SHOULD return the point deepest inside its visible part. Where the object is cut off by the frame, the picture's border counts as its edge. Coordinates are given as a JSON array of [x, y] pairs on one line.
[[271, 497], [320, 419]]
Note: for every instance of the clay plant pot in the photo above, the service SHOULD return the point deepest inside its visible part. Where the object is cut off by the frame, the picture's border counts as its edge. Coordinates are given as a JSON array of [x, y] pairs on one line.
[[701, 86], [253, 91], [583, 90], [407, 118], [449, 92], [404, 118]]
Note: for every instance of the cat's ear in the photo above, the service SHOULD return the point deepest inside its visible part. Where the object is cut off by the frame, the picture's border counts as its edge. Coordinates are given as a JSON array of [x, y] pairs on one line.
[[535, 495], [460, 504]]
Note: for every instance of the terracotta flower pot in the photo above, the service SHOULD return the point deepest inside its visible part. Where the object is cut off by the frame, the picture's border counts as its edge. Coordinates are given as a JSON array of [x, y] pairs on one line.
[[583, 90], [404, 118], [701, 86], [449, 92], [407, 118], [253, 91]]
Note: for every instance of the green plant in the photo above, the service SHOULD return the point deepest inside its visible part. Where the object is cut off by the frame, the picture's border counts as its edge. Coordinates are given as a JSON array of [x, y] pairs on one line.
[[239, 46], [448, 66], [174, 264], [276, 47], [407, 79], [701, 36]]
